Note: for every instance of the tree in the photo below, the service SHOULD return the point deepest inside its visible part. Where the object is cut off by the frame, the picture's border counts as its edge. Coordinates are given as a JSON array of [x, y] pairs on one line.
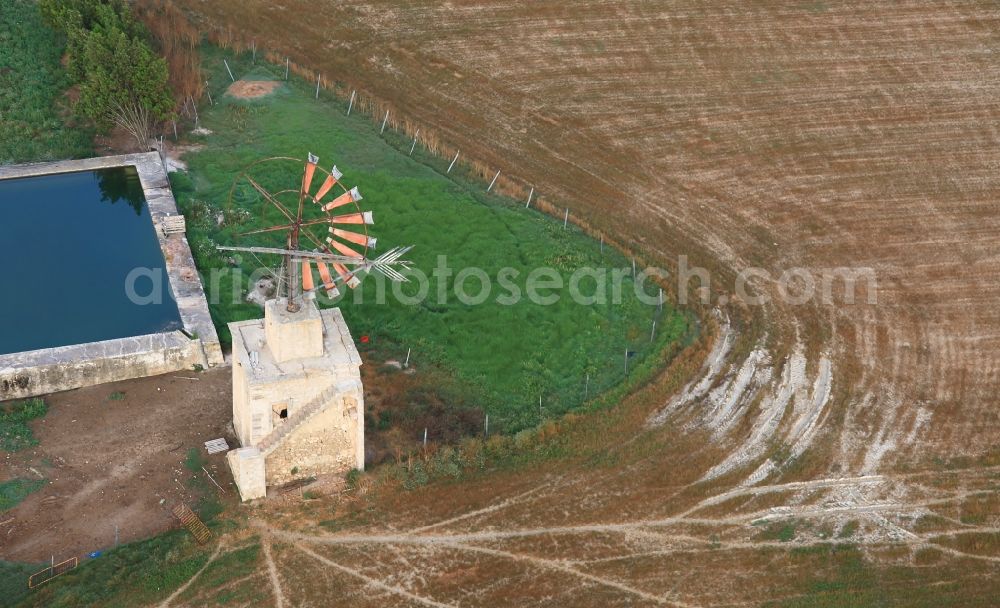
[[69, 15], [124, 83], [78, 18]]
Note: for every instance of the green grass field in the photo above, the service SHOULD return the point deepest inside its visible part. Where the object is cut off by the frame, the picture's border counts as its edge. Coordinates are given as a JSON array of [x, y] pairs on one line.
[[32, 88], [506, 356], [135, 574]]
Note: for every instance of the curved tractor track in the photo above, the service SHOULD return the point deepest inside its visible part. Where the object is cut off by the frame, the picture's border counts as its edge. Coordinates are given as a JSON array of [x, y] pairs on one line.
[[812, 135]]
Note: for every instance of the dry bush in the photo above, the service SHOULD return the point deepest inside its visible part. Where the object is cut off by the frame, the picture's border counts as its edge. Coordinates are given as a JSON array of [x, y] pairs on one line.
[[177, 41]]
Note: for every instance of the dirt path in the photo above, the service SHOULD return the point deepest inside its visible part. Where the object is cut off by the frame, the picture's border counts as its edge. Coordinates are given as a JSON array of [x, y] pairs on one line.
[[272, 572]]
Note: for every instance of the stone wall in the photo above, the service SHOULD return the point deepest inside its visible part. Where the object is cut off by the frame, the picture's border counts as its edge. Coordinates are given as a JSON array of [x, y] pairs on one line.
[[52, 370], [325, 444], [256, 406]]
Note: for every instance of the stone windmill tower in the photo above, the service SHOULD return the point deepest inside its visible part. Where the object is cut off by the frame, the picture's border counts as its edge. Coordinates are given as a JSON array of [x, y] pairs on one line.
[[298, 401]]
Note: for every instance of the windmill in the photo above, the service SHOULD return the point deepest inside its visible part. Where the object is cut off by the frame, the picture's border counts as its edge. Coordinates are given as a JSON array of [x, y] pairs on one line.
[[332, 210]]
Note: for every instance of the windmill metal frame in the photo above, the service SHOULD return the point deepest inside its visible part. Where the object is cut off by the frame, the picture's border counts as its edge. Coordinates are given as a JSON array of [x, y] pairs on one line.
[[345, 250]]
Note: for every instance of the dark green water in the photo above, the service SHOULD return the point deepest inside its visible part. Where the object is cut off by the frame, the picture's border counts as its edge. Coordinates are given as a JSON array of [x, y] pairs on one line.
[[69, 243]]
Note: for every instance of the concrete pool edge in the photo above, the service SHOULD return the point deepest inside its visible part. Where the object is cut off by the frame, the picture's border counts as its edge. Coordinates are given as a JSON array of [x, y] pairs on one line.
[[49, 370]]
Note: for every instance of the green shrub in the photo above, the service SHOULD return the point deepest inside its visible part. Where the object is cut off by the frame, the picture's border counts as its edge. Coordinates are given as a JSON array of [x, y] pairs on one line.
[[353, 477], [416, 475], [15, 434], [14, 491], [123, 82], [194, 461], [33, 126], [849, 529], [780, 531]]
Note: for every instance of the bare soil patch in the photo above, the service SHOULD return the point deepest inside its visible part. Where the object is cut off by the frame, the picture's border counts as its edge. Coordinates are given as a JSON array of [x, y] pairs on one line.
[[115, 454], [114, 462], [116, 141], [252, 89]]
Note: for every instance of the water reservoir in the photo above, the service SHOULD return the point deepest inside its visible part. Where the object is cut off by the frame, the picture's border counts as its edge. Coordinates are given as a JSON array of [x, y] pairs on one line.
[[74, 244]]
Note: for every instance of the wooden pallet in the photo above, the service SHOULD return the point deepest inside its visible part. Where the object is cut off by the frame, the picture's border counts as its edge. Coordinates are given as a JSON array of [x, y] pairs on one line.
[[173, 224], [216, 445], [195, 526]]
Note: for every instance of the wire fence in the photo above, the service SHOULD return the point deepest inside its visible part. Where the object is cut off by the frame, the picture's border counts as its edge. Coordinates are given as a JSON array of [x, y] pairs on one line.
[[249, 62]]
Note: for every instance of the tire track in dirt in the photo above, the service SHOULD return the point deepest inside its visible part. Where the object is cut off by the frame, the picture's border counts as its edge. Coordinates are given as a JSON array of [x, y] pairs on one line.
[[484, 511], [272, 572], [560, 567], [374, 582]]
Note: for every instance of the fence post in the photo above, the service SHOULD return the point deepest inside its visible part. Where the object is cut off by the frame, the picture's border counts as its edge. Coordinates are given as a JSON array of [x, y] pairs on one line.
[[414, 145], [407, 362], [319, 77], [652, 334], [384, 120], [530, 194], [453, 161], [351, 104], [209, 92], [286, 68], [194, 107], [231, 77], [494, 180], [566, 219]]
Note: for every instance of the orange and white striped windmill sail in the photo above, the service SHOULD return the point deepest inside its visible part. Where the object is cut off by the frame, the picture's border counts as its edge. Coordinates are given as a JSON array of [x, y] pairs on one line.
[[330, 220]]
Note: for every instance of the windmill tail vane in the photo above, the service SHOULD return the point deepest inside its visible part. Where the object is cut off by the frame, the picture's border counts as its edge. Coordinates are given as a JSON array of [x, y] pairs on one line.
[[343, 249], [388, 262]]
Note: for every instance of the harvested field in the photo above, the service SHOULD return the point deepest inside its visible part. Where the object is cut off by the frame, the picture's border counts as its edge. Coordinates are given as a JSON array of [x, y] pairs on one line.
[[810, 135], [814, 454]]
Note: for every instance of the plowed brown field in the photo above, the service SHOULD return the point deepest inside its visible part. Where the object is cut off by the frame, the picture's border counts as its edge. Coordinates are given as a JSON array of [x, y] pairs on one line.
[[769, 134]]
